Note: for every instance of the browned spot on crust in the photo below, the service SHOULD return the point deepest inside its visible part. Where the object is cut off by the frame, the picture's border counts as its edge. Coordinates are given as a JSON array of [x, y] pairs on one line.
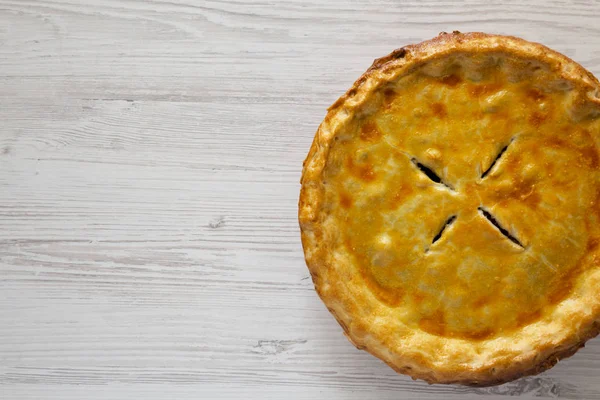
[[388, 97], [590, 156], [482, 301], [528, 318], [451, 80], [392, 298], [531, 198], [556, 142], [520, 189], [593, 244], [399, 196], [596, 202], [439, 110], [369, 132], [487, 89], [351, 248], [382, 63], [418, 297], [398, 53], [434, 324], [536, 119], [367, 173], [363, 172], [535, 94], [562, 290], [345, 200], [478, 335]]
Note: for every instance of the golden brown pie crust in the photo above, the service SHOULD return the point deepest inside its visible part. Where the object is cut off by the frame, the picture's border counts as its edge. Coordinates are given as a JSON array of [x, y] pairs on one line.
[[450, 209]]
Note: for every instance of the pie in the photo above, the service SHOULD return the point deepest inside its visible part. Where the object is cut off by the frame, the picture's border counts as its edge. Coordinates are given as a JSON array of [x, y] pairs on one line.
[[450, 209]]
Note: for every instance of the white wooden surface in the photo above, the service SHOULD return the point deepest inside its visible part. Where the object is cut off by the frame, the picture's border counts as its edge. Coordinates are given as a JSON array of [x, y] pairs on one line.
[[150, 153]]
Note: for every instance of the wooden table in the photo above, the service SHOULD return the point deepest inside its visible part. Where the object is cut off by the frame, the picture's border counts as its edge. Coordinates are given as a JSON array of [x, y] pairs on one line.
[[150, 153]]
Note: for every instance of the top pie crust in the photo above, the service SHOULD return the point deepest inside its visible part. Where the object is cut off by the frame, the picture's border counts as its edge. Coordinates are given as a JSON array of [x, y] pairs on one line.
[[450, 209]]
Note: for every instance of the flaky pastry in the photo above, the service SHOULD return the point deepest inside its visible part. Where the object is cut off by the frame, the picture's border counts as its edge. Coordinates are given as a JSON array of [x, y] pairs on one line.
[[450, 209]]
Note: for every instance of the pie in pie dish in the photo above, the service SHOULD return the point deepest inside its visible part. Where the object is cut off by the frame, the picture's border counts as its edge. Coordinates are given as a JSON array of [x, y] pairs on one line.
[[450, 209]]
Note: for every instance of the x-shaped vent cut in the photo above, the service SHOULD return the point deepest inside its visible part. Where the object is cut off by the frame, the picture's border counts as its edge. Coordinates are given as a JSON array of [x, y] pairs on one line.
[[483, 211]]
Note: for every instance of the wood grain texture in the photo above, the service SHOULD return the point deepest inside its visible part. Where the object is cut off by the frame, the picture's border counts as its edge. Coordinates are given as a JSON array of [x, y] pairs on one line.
[[150, 153]]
